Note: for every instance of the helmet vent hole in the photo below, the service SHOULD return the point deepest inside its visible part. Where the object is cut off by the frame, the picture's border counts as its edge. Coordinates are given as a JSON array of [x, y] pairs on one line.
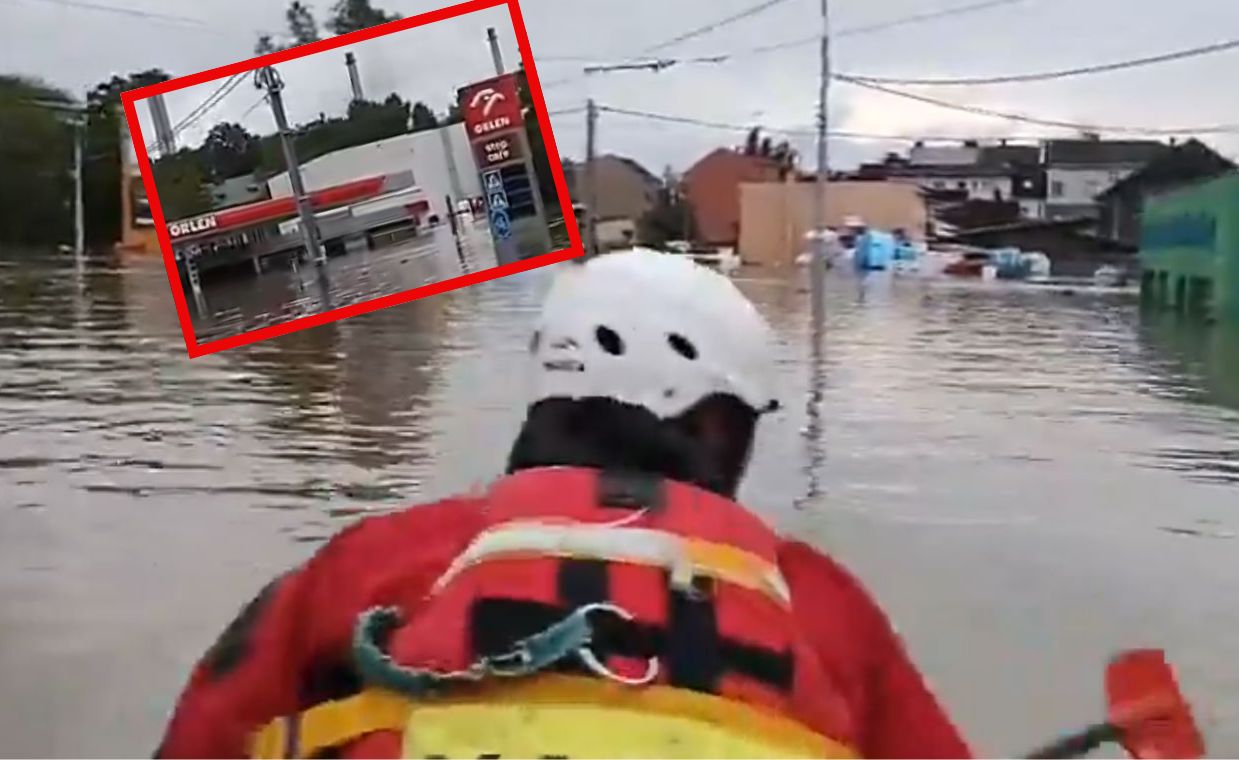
[[535, 341], [682, 346], [610, 340]]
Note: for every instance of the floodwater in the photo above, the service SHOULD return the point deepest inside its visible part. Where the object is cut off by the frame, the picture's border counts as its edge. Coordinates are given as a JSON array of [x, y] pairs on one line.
[[1027, 481], [237, 304]]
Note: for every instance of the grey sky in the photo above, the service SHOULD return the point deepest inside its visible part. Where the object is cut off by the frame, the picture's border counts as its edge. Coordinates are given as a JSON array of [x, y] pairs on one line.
[[75, 48]]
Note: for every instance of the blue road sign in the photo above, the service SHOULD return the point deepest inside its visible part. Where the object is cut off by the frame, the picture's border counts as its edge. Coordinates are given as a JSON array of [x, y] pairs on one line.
[[501, 223], [493, 181]]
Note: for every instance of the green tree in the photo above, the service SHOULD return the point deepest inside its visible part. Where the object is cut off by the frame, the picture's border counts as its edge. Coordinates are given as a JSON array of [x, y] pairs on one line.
[[301, 24], [181, 181], [36, 189], [230, 151], [351, 15], [423, 117], [265, 44]]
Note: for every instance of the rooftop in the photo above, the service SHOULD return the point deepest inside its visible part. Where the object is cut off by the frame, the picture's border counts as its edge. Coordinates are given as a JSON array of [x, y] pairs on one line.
[[1091, 152]]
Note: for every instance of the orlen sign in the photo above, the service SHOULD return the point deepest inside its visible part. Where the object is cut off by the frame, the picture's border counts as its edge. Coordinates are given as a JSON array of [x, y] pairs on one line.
[[491, 106], [192, 226]]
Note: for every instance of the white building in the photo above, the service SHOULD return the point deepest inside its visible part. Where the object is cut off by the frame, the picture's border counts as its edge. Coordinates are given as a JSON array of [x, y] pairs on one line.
[[1077, 171], [441, 161]]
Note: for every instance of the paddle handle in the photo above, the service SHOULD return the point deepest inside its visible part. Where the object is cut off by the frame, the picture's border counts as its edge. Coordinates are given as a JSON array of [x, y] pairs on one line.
[[1078, 744]]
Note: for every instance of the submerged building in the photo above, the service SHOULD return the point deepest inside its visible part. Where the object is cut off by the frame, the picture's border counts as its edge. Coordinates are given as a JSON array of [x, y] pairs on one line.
[[1189, 249]]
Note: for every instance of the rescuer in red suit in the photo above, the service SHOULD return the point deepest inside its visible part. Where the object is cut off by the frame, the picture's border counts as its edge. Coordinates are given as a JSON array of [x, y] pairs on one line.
[[609, 570]]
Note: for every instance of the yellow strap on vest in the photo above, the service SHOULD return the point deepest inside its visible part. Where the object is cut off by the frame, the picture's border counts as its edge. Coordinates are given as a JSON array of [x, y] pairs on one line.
[[581, 717], [335, 723]]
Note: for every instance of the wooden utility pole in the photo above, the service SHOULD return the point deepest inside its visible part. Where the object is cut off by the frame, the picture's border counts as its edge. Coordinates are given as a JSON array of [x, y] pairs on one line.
[[817, 267], [591, 179]]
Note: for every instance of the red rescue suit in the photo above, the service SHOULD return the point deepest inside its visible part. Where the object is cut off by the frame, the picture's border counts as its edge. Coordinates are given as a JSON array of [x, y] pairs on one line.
[[717, 608]]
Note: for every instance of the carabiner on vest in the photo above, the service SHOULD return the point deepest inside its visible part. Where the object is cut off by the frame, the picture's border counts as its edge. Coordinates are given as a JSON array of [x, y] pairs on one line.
[[570, 636]]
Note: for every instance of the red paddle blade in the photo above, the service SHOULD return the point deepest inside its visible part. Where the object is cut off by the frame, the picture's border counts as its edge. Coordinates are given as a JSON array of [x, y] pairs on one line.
[[1146, 704]]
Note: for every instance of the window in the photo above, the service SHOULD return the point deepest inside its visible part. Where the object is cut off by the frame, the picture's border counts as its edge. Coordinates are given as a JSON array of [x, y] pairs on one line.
[[1056, 189]]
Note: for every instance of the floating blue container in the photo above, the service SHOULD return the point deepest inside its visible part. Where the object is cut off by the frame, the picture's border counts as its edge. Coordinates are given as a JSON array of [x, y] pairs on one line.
[[1010, 263], [874, 250]]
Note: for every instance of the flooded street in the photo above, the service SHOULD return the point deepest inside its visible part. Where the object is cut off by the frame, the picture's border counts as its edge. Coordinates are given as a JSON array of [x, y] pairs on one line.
[[1028, 481], [232, 305]]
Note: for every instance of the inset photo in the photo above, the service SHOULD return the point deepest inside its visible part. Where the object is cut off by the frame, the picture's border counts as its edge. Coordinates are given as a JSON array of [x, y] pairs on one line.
[[350, 173]]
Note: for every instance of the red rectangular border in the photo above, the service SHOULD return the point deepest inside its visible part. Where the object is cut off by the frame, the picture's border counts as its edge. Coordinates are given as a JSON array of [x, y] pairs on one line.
[[194, 348]]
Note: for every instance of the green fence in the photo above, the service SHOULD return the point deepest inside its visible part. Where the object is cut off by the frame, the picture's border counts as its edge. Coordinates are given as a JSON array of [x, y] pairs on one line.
[[1189, 249]]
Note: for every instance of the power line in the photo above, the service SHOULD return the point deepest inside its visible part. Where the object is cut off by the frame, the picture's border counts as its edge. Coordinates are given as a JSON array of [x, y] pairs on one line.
[[1132, 63], [958, 10], [211, 102], [796, 131], [982, 111], [150, 15], [875, 27], [712, 26], [851, 135], [853, 31], [262, 99], [652, 116], [198, 108]]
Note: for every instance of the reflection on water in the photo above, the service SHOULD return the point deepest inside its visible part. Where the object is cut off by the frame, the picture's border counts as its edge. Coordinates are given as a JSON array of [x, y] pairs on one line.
[[1028, 481], [238, 304]]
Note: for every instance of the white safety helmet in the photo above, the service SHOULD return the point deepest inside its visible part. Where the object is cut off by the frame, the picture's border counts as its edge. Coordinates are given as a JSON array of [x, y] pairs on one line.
[[652, 329]]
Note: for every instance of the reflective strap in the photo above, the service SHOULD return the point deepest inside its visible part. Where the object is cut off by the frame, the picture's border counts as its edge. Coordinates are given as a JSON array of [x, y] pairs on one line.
[[683, 557], [334, 723], [569, 636], [341, 722]]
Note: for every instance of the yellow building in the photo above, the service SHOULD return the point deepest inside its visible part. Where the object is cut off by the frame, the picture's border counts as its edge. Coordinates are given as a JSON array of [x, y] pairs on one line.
[[137, 227], [775, 216]]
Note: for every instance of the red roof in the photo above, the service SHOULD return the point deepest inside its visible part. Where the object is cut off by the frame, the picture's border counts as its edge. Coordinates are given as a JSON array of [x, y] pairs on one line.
[[273, 210]]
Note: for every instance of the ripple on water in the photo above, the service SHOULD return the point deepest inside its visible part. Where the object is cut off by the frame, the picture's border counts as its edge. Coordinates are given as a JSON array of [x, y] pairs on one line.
[[965, 444]]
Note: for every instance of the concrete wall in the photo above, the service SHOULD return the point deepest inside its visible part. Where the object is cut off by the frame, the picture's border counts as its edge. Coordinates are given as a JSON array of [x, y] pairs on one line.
[[1081, 185], [421, 152], [775, 216]]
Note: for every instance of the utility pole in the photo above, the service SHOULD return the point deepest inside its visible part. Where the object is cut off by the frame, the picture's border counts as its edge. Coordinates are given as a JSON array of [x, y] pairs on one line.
[[591, 179], [269, 79], [79, 213], [74, 116], [591, 128], [817, 267]]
